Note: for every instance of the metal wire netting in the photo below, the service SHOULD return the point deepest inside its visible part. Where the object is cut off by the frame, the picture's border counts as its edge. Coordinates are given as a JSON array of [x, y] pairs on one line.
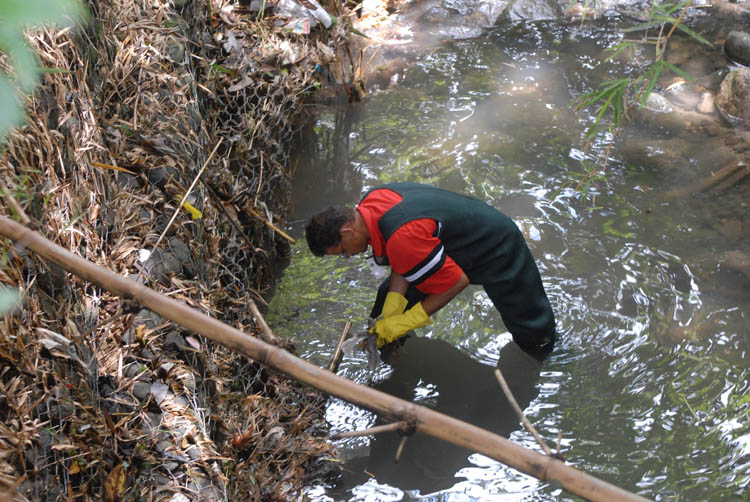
[[101, 399]]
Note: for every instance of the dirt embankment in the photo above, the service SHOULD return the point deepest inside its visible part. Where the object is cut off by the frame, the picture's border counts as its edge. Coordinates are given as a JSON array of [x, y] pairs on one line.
[[100, 400]]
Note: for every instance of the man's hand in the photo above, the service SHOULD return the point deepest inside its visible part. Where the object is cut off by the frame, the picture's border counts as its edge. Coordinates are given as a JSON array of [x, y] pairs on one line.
[[392, 328], [395, 303]]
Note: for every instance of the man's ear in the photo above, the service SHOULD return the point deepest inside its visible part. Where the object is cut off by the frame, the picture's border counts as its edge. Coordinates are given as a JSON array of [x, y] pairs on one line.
[[347, 227]]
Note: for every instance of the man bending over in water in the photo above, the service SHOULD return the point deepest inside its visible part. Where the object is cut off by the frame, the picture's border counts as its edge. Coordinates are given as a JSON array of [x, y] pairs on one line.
[[436, 242]]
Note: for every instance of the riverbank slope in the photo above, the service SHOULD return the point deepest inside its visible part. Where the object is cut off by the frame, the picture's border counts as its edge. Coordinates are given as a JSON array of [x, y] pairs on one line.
[[103, 400]]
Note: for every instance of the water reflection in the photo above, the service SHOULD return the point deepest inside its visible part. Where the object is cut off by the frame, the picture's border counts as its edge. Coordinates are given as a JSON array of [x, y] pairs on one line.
[[650, 380], [435, 374]]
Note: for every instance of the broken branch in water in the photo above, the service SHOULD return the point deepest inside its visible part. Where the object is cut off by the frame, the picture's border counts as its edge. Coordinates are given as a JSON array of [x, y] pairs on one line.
[[404, 428], [730, 171], [401, 445], [338, 354], [519, 411], [395, 426]]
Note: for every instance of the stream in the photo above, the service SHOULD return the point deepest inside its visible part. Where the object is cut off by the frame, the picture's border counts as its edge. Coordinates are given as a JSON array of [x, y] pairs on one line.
[[647, 387]]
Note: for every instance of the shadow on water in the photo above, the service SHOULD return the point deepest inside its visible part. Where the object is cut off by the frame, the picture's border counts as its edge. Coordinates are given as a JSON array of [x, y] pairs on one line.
[[435, 374]]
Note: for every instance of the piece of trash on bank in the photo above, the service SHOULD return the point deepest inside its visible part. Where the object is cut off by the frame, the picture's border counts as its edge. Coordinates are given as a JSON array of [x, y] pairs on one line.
[[195, 213], [298, 26], [311, 11]]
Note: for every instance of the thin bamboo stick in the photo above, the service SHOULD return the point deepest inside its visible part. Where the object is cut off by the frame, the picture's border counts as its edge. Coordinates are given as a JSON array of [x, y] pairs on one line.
[[519, 411], [338, 354], [395, 426], [426, 420], [262, 324], [271, 225]]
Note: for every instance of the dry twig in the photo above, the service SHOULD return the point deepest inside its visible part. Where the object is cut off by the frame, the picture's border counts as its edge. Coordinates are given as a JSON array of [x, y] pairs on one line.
[[395, 426], [519, 411], [184, 198], [338, 354]]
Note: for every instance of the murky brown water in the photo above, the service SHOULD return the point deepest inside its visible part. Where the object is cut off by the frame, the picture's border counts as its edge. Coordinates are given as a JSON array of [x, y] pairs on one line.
[[648, 386]]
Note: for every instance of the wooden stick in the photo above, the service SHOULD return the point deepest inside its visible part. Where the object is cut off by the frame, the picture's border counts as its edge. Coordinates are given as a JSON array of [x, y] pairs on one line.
[[703, 184], [338, 354], [395, 426], [519, 411], [400, 450], [184, 198], [425, 420], [262, 324], [271, 225]]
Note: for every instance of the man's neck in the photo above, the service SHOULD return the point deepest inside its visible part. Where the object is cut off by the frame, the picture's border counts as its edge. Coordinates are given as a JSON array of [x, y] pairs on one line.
[[360, 225]]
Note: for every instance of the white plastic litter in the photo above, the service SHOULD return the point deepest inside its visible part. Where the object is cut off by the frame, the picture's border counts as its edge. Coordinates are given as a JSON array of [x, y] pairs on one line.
[[293, 10]]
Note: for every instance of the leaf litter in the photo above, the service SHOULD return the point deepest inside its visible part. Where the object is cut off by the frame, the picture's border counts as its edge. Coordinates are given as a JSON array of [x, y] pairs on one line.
[[102, 400]]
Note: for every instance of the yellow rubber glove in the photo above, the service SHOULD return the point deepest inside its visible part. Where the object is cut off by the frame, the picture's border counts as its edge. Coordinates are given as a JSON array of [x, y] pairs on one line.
[[392, 328], [395, 303]]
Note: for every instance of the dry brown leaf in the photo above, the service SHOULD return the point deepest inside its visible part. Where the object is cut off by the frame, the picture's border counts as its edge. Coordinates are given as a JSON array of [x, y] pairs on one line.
[[75, 468], [114, 484]]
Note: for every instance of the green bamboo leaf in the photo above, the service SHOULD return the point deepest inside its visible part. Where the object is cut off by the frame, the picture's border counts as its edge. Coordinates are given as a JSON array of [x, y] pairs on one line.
[[604, 108], [655, 71], [619, 105], [12, 114], [664, 19], [694, 34], [617, 49], [669, 7], [23, 59], [25, 13], [54, 71], [678, 71], [15, 17]]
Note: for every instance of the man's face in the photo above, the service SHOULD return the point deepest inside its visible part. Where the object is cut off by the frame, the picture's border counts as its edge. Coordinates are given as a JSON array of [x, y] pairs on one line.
[[352, 242]]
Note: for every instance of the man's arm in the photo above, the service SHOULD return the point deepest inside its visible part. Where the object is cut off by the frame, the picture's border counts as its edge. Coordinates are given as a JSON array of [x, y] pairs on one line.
[[433, 302]]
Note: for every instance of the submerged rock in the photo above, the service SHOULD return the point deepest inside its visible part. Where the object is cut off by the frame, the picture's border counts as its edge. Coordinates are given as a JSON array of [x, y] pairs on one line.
[[737, 47], [733, 99]]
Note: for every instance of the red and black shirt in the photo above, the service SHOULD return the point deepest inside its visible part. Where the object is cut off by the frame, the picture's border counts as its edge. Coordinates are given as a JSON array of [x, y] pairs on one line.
[[414, 250]]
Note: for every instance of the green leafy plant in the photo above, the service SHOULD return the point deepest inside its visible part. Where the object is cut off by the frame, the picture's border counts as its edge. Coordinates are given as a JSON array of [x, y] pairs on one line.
[[9, 298], [620, 96], [16, 16]]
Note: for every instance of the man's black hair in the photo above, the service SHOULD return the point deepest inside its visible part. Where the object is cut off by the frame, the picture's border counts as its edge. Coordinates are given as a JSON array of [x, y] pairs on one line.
[[323, 230]]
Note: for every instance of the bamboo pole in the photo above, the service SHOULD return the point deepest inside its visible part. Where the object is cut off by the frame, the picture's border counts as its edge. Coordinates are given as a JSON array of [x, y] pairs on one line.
[[425, 420]]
